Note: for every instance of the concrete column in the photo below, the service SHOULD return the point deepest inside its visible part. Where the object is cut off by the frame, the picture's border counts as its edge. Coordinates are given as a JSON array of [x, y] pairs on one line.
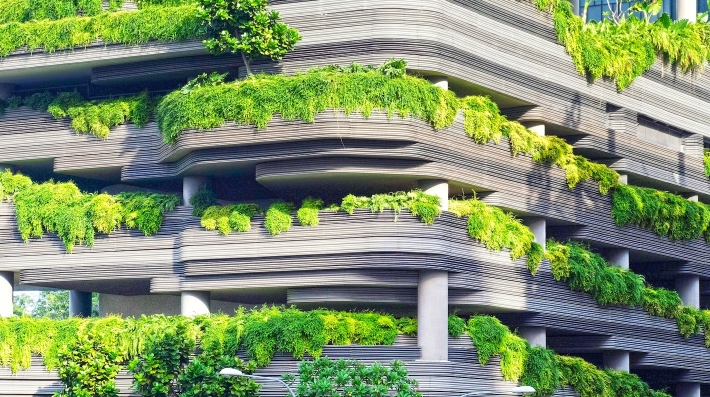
[[79, 304], [618, 257], [688, 288], [623, 179], [436, 187], [692, 197], [687, 390], [440, 81], [617, 360], [6, 90], [433, 314], [190, 186], [536, 336], [575, 7], [195, 303], [537, 127], [7, 284], [687, 9], [539, 228]]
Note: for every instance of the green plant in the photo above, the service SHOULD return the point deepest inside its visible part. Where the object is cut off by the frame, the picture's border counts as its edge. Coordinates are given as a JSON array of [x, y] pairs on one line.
[[202, 200], [706, 162], [667, 214], [497, 229], [341, 378], [89, 369], [201, 377], [456, 325], [229, 217], [308, 213], [247, 28], [422, 205], [278, 218]]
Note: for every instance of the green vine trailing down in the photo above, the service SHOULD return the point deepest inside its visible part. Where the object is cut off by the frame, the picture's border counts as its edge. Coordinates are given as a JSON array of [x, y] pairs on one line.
[[668, 215], [624, 50], [257, 99], [588, 272], [546, 371], [76, 217], [88, 117], [497, 229]]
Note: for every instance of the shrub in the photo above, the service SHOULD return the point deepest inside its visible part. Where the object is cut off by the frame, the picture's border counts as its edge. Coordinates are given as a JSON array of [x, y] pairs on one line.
[[278, 218], [89, 369], [229, 217], [308, 213], [422, 205], [201, 200]]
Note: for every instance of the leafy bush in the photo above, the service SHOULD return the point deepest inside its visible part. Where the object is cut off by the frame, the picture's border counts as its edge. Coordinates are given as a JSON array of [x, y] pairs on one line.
[[229, 217], [308, 213], [341, 378], [123, 27], [201, 377], [278, 218], [420, 204], [667, 214], [497, 229], [201, 200], [89, 369]]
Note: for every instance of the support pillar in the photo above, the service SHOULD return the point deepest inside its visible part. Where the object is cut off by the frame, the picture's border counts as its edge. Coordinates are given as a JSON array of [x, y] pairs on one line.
[[536, 336], [190, 186], [687, 9], [440, 81], [436, 187], [688, 288], [623, 179], [687, 390], [576, 7], [433, 315], [7, 284], [6, 91], [618, 257], [536, 126], [538, 226], [79, 304], [618, 360], [692, 197], [195, 303]]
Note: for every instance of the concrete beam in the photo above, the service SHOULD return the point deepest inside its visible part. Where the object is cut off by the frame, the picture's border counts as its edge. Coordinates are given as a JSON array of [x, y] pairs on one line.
[[433, 314], [436, 187], [194, 303], [79, 304], [688, 288], [7, 285], [617, 360], [536, 336]]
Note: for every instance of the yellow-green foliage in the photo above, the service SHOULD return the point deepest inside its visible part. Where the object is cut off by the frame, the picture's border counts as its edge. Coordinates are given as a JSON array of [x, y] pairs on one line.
[[123, 27], [75, 216], [497, 229], [626, 50], [706, 161], [308, 213], [420, 204], [229, 217], [278, 218], [667, 214]]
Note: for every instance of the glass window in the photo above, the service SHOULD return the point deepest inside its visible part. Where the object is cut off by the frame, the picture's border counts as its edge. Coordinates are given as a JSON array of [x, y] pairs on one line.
[[597, 8]]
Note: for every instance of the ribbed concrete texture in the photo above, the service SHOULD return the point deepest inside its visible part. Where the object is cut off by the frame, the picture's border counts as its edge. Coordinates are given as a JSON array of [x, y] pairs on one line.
[[439, 188], [687, 9], [689, 290], [539, 228], [536, 336], [190, 186], [79, 304], [618, 257], [617, 360], [432, 314], [7, 280], [194, 303], [688, 390]]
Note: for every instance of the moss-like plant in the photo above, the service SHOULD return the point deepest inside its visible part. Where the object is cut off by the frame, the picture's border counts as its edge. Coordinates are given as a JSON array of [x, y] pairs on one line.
[[422, 205], [667, 214], [76, 217], [497, 229], [308, 213], [229, 217], [123, 27], [278, 218]]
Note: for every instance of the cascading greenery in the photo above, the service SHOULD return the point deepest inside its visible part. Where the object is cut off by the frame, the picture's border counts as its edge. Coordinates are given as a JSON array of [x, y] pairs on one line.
[[203, 199], [623, 51], [75, 216], [497, 229], [422, 205], [706, 162], [122, 27], [546, 371], [667, 214], [588, 272], [89, 117], [227, 218]]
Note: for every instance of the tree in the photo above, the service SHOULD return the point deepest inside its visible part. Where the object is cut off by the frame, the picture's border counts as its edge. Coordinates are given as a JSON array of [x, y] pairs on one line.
[[55, 305], [22, 304], [246, 27]]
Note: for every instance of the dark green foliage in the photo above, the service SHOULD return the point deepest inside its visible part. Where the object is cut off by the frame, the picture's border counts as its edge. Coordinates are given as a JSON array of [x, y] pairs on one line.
[[497, 229], [155, 372], [457, 326], [349, 378], [487, 333], [667, 214], [134, 27], [661, 302], [88, 369], [201, 378], [229, 217], [202, 200], [278, 218], [247, 28], [420, 204], [625, 50], [308, 213], [542, 371]]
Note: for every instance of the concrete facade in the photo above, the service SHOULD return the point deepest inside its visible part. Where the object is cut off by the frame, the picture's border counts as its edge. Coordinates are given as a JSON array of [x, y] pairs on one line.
[[433, 314]]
